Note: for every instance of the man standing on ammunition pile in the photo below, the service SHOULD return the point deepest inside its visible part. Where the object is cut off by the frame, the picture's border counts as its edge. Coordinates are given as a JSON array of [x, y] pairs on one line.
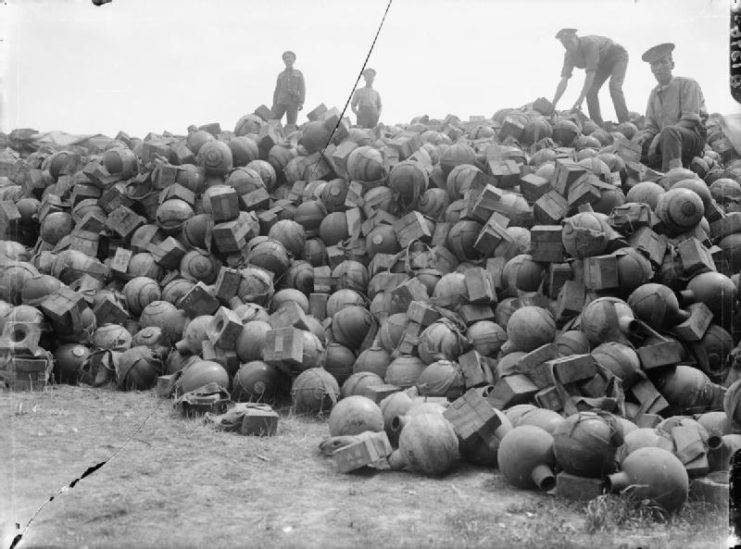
[[290, 92], [675, 116], [366, 102], [601, 58]]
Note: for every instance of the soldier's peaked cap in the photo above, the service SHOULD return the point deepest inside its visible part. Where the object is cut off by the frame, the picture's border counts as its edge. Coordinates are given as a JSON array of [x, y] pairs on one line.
[[563, 33], [288, 52], [657, 52]]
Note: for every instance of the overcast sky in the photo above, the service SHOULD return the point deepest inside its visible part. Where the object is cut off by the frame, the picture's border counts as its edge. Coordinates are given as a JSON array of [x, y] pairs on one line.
[[155, 65]]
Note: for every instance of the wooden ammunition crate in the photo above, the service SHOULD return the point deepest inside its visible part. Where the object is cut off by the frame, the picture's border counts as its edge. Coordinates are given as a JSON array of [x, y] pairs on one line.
[[366, 451], [472, 416], [24, 374], [511, 390], [550, 208], [546, 243], [284, 346], [198, 301], [566, 173], [259, 420]]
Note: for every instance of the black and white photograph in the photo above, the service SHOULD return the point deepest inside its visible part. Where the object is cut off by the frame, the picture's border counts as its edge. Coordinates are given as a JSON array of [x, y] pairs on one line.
[[370, 273]]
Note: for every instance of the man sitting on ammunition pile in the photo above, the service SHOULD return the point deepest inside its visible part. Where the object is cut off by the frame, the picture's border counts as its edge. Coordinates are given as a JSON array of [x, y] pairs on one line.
[[675, 117]]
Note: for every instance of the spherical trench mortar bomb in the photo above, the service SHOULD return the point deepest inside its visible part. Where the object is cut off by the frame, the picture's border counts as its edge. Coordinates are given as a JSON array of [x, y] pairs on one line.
[[455, 155], [585, 444], [196, 139], [333, 228], [245, 180], [199, 266], [342, 299], [572, 342], [166, 316], [270, 255], [462, 237], [680, 209], [244, 150], [175, 289], [172, 214], [524, 274], [585, 234], [334, 194], [315, 136], [196, 230], [138, 368], [300, 276], [526, 458], [441, 340], [215, 157], [314, 391], [621, 360], [36, 289], [391, 331], [427, 444], [351, 326], [13, 277], [442, 378], [201, 372], [287, 296], [404, 371], [374, 359], [358, 383], [655, 474], [56, 225], [256, 285], [310, 215], [699, 187], [529, 414], [351, 274], [194, 334], [725, 190], [607, 319], [682, 387], [633, 268], [112, 337], [528, 328], [365, 163], [68, 360], [258, 381], [382, 239], [717, 291], [338, 360], [712, 351], [657, 305], [354, 415], [154, 338], [487, 337], [450, 291], [459, 180], [140, 291], [409, 181], [642, 438], [433, 203], [291, 235]]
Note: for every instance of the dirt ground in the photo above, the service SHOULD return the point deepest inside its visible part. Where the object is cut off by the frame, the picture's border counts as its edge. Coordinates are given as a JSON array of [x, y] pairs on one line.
[[175, 482]]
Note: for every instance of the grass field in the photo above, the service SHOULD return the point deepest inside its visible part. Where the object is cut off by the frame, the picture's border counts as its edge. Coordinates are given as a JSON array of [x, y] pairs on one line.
[[176, 482]]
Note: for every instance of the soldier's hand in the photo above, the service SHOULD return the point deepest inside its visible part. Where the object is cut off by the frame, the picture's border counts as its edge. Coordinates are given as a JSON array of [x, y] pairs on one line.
[[300, 106]]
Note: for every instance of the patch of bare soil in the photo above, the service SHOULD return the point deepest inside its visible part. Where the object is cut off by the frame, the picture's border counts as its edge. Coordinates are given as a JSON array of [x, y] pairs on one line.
[[175, 482]]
